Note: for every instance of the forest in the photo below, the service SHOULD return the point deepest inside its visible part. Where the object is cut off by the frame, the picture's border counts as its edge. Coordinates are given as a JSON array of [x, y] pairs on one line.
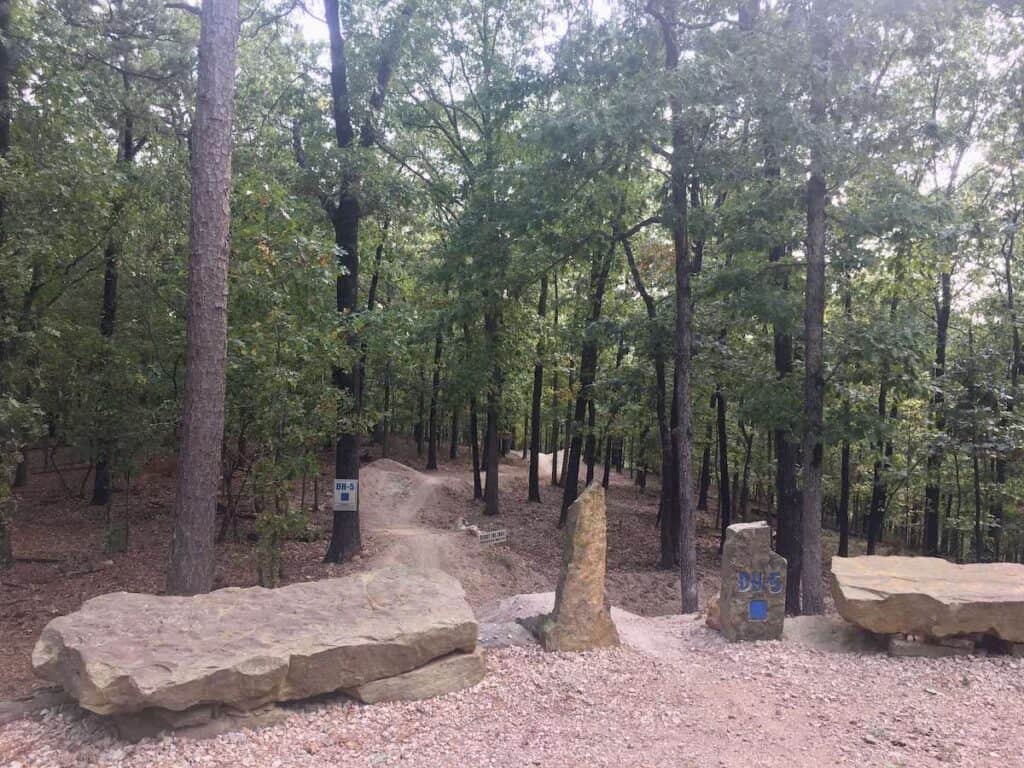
[[758, 253]]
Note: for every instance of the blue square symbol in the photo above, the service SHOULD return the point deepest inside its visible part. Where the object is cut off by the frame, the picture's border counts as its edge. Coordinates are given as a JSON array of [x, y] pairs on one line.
[[344, 497], [758, 610]]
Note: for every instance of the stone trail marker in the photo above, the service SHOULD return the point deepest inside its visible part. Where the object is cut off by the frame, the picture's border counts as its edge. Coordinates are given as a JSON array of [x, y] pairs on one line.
[[582, 617], [752, 603]]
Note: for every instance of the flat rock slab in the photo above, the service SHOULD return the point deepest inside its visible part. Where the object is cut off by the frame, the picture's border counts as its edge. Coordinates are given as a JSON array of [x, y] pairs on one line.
[[243, 648], [930, 597], [454, 672]]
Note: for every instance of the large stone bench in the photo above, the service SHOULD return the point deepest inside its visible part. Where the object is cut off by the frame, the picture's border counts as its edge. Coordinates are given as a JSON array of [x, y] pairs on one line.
[[391, 634], [930, 597]]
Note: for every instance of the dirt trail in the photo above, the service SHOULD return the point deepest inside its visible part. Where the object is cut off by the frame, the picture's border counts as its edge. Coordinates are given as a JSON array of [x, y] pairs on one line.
[[675, 694], [394, 497]]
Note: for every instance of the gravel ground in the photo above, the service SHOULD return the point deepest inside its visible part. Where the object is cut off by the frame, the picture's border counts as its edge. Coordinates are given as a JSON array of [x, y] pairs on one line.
[[675, 695], [689, 699]]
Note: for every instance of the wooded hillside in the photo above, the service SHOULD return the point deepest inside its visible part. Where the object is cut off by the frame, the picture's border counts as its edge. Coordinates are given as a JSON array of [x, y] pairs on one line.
[[765, 248]]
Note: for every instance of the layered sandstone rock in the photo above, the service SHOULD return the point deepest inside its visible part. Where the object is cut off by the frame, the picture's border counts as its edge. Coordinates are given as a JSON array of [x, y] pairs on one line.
[[582, 619], [930, 597], [242, 648], [454, 672]]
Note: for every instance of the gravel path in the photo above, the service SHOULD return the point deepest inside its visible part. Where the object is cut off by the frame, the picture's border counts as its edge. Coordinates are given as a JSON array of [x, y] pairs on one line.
[[697, 702], [675, 695]]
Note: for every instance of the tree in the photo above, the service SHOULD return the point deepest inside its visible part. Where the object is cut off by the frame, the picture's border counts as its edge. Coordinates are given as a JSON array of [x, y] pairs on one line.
[[812, 597], [202, 425], [535, 408], [345, 214], [667, 17]]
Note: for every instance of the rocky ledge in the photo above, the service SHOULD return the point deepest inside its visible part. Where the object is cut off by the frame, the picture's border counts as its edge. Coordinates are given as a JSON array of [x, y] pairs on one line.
[[930, 597], [391, 634]]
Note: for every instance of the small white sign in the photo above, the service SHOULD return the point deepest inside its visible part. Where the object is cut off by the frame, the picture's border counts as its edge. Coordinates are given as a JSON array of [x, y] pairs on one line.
[[346, 495], [494, 537]]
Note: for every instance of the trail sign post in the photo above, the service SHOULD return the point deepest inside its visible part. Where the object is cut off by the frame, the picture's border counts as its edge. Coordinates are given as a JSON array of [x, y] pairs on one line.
[[346, 495]]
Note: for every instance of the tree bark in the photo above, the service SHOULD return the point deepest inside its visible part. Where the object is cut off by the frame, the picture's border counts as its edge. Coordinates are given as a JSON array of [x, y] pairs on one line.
[[192, 548], [6, 65], [600, 265], [568, 425], [420, 428], [704, 483], [812, 596], [682, 433], [843, 513], [474, 434], [345, 215], [879, 485], [933, 483], [590, 444], [724, 496], [554, 395], [435, 388], [668, 517], [748, 446], [108, 316], [453, 450], [492, 503], [533, 492]]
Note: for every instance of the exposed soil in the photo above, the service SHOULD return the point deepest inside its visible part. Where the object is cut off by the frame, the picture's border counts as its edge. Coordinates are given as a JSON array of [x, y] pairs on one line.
[[674, 694]]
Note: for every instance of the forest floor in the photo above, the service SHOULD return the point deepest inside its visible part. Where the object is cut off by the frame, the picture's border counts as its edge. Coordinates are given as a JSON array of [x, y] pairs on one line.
[[674, 694]]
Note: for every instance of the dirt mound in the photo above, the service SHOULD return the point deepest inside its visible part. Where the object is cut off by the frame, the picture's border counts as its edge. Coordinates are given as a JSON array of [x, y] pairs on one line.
[[390, 465]]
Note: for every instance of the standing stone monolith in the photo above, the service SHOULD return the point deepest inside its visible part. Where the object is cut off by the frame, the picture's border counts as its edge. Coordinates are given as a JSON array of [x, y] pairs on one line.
[[752, 603], [582, 618]]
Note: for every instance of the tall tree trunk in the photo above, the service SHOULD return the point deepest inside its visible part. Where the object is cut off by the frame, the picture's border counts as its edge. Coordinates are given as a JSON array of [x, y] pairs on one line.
[[111, 257], [880, 483], [554, 394], [704, 483], [6, 65], [812, 595], [568, 425], [724, 497], [979, 541], [843, 513], [385, 447], [453, 450], [474, 434], [682, 434], [492, 503], [933, 482], [590, 445], [371, 301], [668, 517], [192, 548], [600, 264], [787, 495], [420, 428], [748, 446], [345, 215], [435, 388], [538, 392], [1008, 244], [606, 472]]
